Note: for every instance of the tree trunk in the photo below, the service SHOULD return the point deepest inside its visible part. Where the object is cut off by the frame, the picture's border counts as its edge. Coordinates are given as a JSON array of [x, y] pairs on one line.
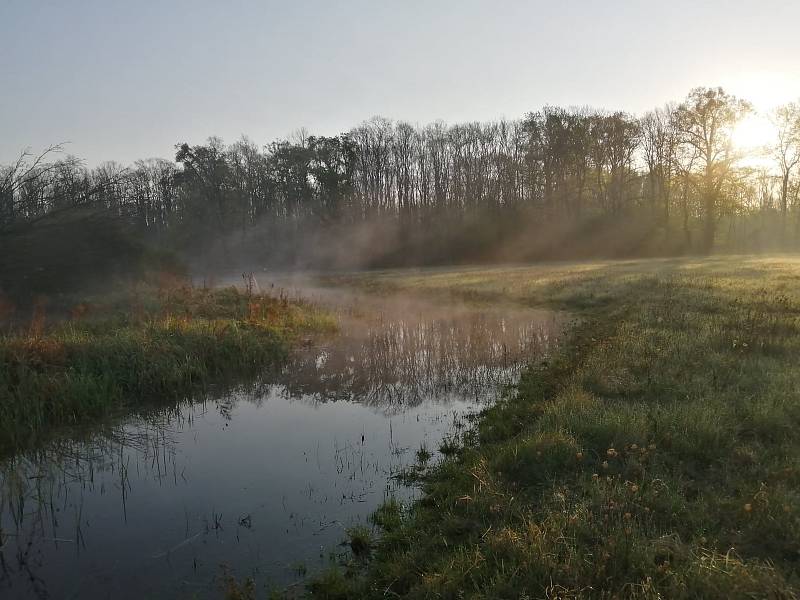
[[710, 225], [784, 206]]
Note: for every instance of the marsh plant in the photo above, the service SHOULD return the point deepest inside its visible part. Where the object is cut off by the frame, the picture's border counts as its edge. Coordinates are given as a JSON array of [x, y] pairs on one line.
[[136, 347]]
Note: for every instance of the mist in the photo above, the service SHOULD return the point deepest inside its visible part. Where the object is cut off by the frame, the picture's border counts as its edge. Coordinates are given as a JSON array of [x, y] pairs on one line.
[[433, 353], [556, 184]]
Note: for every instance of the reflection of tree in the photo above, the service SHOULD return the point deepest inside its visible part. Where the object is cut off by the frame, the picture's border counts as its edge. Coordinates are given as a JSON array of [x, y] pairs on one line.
[[42, 492], [401, 362]]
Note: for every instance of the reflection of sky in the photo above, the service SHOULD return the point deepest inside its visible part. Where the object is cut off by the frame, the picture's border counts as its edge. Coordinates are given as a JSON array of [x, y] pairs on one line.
[[282, 479], [263, 480]]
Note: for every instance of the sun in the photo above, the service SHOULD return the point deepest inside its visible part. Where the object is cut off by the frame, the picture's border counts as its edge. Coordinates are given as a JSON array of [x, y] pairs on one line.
[[754, 133]]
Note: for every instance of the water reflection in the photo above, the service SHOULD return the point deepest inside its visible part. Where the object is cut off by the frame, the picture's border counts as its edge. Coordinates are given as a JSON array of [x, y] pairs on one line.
[[266, 478], [392, 362]]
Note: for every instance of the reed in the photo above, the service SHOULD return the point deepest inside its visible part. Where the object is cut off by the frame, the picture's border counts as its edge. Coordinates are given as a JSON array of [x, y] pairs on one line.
[[141, 346]]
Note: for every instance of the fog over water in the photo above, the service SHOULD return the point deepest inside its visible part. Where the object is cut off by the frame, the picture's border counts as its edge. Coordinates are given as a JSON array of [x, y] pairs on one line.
[[268, 477]]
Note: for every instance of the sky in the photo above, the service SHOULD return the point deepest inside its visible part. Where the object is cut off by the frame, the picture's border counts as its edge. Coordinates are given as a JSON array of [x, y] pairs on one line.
[[122, 80]]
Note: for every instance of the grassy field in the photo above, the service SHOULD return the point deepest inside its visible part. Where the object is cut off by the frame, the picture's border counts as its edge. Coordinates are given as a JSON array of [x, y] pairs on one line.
[[138, 347], [656, 456]]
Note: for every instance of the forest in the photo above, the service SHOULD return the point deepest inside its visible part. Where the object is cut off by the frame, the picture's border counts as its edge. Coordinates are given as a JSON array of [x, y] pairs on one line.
[[559, 183]]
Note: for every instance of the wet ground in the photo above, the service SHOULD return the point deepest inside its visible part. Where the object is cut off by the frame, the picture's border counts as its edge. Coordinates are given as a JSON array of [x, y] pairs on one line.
[[266, 478]]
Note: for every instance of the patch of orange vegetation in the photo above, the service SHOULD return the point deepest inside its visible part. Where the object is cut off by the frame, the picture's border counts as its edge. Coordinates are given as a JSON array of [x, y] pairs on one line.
[[37, 352], [79, 311], [38, 318]]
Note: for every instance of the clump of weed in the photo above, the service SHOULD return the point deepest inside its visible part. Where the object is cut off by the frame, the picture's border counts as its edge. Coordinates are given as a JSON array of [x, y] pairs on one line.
[[332, 584], [423, 455], [232, 589], [359, 539], [449, 446], [389, 515]]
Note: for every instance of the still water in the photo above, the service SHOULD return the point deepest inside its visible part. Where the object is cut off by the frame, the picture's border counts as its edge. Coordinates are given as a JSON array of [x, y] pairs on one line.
[[268, 477]]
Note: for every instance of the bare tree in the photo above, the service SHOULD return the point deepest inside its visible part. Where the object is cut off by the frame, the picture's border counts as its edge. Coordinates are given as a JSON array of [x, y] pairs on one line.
[[659, 148], [22, 181], [786, 150], [705, 121]]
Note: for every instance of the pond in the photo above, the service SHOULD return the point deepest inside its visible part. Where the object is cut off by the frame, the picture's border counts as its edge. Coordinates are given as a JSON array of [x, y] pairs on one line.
[[268, 477]]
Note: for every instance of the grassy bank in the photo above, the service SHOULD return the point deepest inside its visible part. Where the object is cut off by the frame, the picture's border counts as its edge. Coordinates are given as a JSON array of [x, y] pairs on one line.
[[657, 456], [136, 347]]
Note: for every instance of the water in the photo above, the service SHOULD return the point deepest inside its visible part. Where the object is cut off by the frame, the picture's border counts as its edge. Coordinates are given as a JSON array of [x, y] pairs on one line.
[[266, 478]]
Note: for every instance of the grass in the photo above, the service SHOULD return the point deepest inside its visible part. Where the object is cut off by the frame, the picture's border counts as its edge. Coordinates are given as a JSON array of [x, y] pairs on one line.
[[359, 538], [137, 347], [656, 456]]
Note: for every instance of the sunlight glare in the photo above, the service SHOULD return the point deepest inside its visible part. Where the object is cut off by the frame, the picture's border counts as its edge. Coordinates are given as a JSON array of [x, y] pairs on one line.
[[754, 132], [764, 89]]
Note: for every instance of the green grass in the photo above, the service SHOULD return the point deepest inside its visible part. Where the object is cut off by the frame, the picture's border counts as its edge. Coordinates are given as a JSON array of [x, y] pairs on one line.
[[359, 539], [135, 348], [656, 456]]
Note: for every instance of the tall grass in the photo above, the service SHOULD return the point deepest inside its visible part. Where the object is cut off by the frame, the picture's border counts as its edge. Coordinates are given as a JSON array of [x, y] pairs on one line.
[[141, 345], [657, 457]]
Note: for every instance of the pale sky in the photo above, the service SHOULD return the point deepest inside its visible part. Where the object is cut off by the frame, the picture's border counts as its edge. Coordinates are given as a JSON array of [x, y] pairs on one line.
[[129, 79]]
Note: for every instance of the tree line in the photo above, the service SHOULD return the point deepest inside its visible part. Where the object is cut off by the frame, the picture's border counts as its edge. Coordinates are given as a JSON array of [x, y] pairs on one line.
[[557, 182]]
